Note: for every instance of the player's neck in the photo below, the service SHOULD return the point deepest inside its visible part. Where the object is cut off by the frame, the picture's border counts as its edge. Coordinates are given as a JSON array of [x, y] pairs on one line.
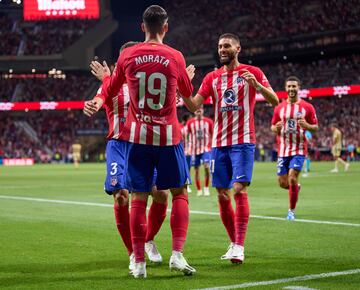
[[293, 101], [231, 66], [157, 38]]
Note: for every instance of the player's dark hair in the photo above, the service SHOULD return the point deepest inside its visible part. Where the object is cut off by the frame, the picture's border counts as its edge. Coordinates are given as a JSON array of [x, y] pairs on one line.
[[230, 35], [154, 18], [128, 44], [185, 117], [294, 79]]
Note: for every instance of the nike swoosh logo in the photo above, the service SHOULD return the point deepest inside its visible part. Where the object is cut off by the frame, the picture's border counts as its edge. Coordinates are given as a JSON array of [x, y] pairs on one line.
[[240, 176]]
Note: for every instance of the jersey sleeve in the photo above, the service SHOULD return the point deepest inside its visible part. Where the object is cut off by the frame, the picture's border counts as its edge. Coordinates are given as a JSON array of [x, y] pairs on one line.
[[184, 83], [276, 116], [262, 79], [311, 116], [205, 88], [112, 85]]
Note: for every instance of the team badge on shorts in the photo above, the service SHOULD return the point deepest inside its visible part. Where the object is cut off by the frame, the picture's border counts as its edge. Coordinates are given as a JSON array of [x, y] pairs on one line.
[[113, 181]]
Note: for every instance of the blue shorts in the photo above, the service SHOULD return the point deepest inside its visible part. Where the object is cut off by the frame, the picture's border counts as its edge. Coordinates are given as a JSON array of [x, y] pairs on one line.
[[115, 166], [232, 164], [169, 161], [188, 161], [116, 160], [203, 158], [284, 164]]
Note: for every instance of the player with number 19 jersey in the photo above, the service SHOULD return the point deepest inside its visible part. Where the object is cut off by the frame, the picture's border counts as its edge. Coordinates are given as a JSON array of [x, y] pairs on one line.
[[153, 72]]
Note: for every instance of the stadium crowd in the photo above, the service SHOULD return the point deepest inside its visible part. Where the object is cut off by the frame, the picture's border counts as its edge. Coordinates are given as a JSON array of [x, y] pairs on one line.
[[251, 20], [319, 73], [58, 130], [39, 37], [34, 89]]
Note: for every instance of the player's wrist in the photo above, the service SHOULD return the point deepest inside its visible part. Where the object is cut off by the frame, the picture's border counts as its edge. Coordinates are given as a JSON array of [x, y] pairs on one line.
[[258, 87]]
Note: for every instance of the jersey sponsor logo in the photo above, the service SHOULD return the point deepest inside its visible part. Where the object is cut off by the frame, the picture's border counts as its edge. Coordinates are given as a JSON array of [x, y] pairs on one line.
[[229, 96], [291, 124], [230, 108]]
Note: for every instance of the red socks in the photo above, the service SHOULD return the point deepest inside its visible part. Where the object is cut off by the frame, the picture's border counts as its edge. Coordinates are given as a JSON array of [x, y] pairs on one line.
[[138, 228], [179, 221], [293, 195], [198, 184], [157, 215], [207, 180], [241, 217], [123, 224], [227, 215]]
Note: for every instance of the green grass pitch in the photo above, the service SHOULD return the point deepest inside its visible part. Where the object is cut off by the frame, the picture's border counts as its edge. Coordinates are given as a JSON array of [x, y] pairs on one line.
[[46, 245]]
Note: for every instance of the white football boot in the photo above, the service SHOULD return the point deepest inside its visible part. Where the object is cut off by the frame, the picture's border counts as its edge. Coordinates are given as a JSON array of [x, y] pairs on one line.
[[206, 191], [140, 270], [178, 263], [152, 252], [131, 263]]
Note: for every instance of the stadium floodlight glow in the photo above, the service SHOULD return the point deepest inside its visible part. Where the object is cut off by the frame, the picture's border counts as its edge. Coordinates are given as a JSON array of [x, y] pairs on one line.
[[58, 72], [11, 70], [18, 2], [285, 57], [33, 70]]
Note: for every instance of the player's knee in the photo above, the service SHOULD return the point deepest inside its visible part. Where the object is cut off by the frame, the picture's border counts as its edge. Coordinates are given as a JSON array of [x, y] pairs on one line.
[[223, 194], [292, 180], [121, 197], [283, 183], [239, 187], [160, 196]]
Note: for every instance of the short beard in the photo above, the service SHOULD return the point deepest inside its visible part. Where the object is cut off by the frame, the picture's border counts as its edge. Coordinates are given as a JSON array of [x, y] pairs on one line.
[[227, 61]]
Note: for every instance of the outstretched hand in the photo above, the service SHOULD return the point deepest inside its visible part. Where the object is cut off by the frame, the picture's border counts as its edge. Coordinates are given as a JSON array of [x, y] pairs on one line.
[[191, 71], [91, 107], [100, 71]]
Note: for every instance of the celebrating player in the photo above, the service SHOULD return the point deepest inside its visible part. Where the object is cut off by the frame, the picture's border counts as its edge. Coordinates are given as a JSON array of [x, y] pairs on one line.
[[290, 121], [336, 149], [200, 133], [233, 88], [153, 72], [186, 139], [115, 184]]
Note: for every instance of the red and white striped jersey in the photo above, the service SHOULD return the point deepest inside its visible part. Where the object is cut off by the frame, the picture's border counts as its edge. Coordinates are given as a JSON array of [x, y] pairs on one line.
[[234, 102], [185, 137], [199, 133], [291, 140], [116, 110], [153, 73]]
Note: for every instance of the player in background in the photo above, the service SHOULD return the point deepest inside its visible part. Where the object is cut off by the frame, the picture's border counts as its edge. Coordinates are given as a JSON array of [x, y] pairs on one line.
[[154, 72], [76, 152], [233, 88], [200, 133], [291, 119], [308, 137], [115, 184], [336, 149], [185, 138]]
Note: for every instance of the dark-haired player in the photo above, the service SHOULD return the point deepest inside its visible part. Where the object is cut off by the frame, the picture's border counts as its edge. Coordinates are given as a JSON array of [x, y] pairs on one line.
[[291, 119]]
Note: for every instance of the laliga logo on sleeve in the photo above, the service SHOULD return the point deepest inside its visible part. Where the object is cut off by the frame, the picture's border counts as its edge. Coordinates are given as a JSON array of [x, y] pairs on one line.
[[229, 96]]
